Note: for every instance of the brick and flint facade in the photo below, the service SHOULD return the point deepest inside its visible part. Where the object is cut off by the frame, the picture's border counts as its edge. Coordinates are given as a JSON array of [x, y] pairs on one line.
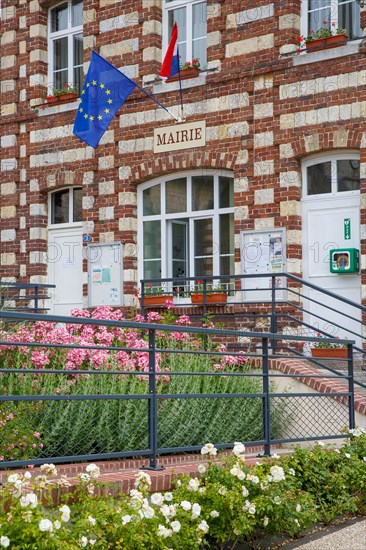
[[266, 107]]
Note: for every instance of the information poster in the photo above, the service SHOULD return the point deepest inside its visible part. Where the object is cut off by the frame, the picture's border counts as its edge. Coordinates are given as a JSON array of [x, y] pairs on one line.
[[263, 252], [105, 272]]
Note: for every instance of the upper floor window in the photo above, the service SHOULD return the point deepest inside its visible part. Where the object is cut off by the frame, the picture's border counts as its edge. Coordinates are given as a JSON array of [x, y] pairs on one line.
[[65, 26], [331, 14], [331, 174], [191, 18], [66, 206]]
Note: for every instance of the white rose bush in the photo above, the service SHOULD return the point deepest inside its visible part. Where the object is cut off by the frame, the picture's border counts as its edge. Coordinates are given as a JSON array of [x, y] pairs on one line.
[[230, 502]]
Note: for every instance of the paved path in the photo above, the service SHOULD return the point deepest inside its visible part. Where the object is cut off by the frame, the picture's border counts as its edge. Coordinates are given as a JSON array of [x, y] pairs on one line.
[[351, 537]]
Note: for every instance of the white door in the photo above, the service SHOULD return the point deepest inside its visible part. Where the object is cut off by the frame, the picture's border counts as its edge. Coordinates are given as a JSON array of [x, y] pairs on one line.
[[65, 269], [324, 220]]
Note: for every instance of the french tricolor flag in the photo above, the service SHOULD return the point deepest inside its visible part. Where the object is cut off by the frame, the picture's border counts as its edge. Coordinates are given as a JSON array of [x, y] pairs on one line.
[[170, 65]]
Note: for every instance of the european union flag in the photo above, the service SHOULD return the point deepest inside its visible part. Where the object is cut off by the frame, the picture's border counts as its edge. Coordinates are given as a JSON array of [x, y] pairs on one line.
[[105, 90]]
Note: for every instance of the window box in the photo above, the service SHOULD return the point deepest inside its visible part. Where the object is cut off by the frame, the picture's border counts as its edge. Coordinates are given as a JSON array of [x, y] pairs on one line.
[[212, 298], [64, 98], [193, 72], [155, 300], [326, 43], [330, 353]]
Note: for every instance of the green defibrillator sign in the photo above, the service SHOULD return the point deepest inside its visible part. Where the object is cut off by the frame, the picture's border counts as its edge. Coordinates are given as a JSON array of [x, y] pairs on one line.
[[344, 260], [347, 229]]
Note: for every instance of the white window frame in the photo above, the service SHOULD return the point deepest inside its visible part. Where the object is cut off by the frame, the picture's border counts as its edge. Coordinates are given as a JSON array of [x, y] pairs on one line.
[[188, 4], [187, 214], [65, 33], [334, 16], [70, 223], [333, 158]]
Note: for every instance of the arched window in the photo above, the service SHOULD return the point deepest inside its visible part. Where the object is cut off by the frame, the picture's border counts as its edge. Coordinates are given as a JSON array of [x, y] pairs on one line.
[[65, 206], [186, 225], [331, 173]]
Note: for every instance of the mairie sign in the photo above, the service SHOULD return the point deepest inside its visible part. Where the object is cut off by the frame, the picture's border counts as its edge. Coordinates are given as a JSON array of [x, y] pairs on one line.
[[180, 136]]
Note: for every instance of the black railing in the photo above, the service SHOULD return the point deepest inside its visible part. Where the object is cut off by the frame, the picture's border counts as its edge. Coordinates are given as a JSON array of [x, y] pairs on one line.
[[163, 393], [24, 296], [285, 307]]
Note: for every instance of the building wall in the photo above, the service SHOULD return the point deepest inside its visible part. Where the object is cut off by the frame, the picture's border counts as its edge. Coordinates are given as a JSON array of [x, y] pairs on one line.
[[266, 108]]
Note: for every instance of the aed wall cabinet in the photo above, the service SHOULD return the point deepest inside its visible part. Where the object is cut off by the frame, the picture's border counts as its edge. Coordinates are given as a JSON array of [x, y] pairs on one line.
[[344, 260]]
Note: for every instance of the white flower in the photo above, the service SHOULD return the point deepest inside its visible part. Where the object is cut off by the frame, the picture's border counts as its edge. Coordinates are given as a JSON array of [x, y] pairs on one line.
[[92, 520], [143, 480], [253, 479], [175, 525], [164, 531], [126, 519], [364, 458], [347, 455], [168, 510], [270, 479], [239, 448], [157, 499], [214, 514], [357, 432], [245, 491], [337, 451], [202, 490], [45, 525], [148, 512], [237, 472], [193, 484], [178, 483], [4, 541], [13, 478], [222, 491], [298, 507], [92, 541], [168, 497], [275, 455], [65, 513], [85, 478], [249, 507], [29, 499], [93, 470], [297, 521], [292, 472], [186, 505], [320, 443], [57, 524], [277, 500], [201, 469], [203, 526], [83, 542], [50, 469], [209, 449], [196, 510], [265, 521], [277, 473], [27, 475]]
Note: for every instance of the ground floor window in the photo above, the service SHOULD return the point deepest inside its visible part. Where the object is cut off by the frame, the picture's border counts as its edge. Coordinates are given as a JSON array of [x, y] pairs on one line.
[[186, 226]]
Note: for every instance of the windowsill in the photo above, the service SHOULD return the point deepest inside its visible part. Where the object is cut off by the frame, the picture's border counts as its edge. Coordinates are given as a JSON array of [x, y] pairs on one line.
[[47, 110], [163, 87], [352, 47]]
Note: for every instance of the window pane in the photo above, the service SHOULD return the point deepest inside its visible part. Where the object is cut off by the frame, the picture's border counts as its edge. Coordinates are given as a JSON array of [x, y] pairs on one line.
[[60, 207], [202, 193], [227, 234], [152, 269], [348, 172], [151, 201], [77, 213], [203, 245], [349, 18], [203, 266], [59, 18], [60, 53], [319, 11], [226, 192], [152, 240], [77, 13], [227, 268], [176, 195], [199, 23], [78, 49], [179, 16], [319, 178]]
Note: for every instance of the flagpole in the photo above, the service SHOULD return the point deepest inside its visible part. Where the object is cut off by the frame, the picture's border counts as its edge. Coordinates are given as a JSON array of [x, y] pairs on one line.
[[180, 88]]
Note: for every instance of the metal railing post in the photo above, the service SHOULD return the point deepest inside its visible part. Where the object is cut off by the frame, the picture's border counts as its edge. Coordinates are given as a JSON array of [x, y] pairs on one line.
[[273, 314], [351, 387], [266, 399], [36, 297], [153, 406]]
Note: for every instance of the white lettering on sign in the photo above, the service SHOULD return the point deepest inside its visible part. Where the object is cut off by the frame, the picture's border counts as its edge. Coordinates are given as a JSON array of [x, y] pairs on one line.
[[180, 136]]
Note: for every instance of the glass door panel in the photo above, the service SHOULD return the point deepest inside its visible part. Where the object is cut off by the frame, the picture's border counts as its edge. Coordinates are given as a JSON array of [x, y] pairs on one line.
[[179, 254], [203, 247]]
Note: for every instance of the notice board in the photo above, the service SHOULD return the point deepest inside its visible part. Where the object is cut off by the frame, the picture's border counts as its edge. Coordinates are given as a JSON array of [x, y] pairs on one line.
[[105, 274], [263, 251]]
